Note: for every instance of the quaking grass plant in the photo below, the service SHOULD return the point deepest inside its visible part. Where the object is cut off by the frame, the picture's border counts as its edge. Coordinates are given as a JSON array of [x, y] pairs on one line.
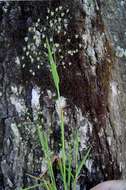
[[64, 162]]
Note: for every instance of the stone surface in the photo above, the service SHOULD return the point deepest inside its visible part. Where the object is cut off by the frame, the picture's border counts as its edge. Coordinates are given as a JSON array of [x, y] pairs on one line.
[[92, 87], [114, 15]]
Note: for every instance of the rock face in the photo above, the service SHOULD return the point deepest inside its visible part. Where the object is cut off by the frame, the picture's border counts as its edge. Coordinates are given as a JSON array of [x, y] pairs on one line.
[[92, 74], [114, 18]]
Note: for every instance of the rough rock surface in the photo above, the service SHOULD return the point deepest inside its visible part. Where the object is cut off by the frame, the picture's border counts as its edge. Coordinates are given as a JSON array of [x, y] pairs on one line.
[[93, 86], [114, 16]]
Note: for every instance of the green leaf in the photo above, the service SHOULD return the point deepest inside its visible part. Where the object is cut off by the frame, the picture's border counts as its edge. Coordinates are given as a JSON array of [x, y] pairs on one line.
[[32, 187], [83, 162], [53, 67]]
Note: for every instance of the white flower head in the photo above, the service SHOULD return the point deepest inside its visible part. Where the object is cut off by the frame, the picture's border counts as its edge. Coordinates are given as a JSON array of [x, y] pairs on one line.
[[60, 7], [56, 45], [43, 35], [59, 27], [28, 46], [60, 105], [17, 60], [34, 37], [76, 36], [37, 33], [80, 45], [68, 40], [64, 32], [51, 24], [52, 13], [59, 19], [34, 29], [65, 25], [45, 46], [56, 9], [51, 39], [30, 29], [33, 73], [38, 66], [55, 21], [27, 53], [62, 14], [23, 66], [32, 60], [63, 63], [44, 28], [48, 10], [38, 58], [14, 89], [67, 11], [36, 24], [26, 39], [70, 52], [65, 20]]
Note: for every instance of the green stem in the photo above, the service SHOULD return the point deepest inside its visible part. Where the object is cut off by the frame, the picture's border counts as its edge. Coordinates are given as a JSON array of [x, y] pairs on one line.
[[63, 150], [58, 92]]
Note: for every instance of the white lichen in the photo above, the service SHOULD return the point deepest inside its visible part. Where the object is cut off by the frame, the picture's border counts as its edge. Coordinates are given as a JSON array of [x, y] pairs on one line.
[[85, 127], [114, 89], [35, 98], [19, 104], [16, 133], [120, 52], [93, 70], [91, 54], [109, 139]]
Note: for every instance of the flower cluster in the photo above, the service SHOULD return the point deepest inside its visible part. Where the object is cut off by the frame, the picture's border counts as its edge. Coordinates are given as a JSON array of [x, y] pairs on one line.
[[56, 29]]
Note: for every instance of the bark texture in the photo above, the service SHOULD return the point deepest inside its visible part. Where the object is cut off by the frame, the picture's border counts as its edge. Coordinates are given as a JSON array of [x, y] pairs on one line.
[[92, 85]]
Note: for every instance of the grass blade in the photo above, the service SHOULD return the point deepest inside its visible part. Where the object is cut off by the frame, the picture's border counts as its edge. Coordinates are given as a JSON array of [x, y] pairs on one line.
[[32, 187], [76, 149], [53, 67], [83, 162], [48, 157], [63, 150], [60, 167], [69, 169], [46, 185]]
